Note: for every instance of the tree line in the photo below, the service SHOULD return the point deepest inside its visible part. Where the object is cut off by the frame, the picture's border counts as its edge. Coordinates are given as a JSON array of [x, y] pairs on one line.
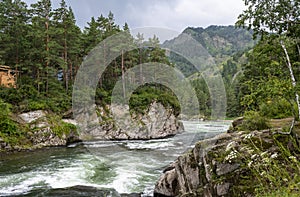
[[46, 47]]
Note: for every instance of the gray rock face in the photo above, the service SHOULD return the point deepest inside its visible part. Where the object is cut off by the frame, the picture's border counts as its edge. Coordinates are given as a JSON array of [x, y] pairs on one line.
[[30, 117], [222, 189], [157, 122], [237, 122], [214, 166], [224, 168]]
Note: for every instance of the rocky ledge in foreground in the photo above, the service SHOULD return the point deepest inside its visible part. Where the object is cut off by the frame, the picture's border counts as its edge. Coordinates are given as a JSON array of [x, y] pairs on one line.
[[223, 165]]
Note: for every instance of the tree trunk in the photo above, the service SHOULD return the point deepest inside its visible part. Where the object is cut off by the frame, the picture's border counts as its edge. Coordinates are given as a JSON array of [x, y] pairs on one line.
[[47, 50], [141, 67], [291, 74], [66, 58], [123, 75], [38, 80]]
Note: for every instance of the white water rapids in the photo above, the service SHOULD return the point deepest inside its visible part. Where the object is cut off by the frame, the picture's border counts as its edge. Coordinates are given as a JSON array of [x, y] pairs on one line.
[[127, 166]]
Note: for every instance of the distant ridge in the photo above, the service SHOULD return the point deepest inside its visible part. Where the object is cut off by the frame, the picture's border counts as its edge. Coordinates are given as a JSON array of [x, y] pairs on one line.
[[225, 40], [221, 43]]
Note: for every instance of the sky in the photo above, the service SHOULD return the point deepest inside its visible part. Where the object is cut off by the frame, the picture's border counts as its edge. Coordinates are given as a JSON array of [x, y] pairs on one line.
[[171, 14]]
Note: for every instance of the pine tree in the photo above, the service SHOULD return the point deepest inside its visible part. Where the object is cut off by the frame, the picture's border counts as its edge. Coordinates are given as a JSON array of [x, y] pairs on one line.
[[13, 20], [67, 35], [42, 11]]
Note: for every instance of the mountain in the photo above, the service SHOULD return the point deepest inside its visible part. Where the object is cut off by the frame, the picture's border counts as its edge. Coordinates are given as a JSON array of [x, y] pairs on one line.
[[203, 55], [219, 43], [225, 40]]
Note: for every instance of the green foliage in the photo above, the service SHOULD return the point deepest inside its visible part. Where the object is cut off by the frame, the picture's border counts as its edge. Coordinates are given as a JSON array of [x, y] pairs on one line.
[[265, 77], [59, 127], [7, 126], [254, 121], [274, 61], [145, 95], [277, 109], [274, 16], [276, 174], [9, 130]]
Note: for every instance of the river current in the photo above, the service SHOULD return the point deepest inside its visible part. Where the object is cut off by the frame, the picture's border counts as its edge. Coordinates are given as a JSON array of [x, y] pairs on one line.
[[127, 166]]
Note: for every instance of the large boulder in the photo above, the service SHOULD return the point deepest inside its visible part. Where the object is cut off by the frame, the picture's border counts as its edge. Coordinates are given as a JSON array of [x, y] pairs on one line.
[[41, 133], [156, 122]]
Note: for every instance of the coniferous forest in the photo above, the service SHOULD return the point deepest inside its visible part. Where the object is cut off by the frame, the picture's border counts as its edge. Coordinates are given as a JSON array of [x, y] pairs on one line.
[[45, 48]]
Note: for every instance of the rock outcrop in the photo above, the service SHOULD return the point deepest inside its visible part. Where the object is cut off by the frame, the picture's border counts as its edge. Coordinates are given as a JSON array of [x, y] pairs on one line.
[[41, 132], [220, 166], [156, 122]]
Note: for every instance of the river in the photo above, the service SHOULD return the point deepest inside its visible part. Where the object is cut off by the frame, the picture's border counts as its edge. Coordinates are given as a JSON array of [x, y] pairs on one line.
[[127, 166]]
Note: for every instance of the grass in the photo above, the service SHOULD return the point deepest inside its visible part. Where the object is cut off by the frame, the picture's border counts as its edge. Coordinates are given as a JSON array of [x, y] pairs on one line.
[[281, 123]]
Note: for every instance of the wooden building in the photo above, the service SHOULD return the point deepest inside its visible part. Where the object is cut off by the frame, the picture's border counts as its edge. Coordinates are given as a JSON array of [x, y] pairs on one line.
[[8, 77]]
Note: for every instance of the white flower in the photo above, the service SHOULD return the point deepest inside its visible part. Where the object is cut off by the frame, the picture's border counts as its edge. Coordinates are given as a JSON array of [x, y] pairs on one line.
[[293, 158], [248, 136], [231, 155], [264, 153], [250, 163], [254, 156], [263, 173], [275, 155]]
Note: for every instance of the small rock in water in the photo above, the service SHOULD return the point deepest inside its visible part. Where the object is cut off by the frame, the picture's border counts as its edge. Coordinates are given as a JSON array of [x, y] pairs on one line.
[[78, 190], [131, 195]]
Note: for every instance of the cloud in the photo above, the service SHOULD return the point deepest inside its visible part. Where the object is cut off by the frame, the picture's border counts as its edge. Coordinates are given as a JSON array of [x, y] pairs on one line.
[[174, 14], [182, 13]]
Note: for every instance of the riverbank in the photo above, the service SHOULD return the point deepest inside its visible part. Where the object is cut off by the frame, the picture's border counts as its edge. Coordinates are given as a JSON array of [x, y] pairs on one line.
[[37, 129]]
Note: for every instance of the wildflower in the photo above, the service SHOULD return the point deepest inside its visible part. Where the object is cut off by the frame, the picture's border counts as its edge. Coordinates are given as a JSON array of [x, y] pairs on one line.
[[232, 155], [293, 158], [264, 153], [263, 173], [250, 163], [249, 136], [275, 155], [254, 156]]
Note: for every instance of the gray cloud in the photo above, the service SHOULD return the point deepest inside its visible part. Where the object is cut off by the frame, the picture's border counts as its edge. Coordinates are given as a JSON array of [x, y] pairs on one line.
[[173, 14]]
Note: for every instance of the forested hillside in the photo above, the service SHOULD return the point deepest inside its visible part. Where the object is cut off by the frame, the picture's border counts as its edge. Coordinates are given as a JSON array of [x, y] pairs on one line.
[[45, 48], [226, 46]]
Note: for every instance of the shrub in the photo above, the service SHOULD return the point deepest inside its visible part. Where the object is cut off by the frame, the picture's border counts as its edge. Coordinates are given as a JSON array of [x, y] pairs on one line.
[[9, 130], [59, 127], [280, 108], [145, 95], [253, 120]]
